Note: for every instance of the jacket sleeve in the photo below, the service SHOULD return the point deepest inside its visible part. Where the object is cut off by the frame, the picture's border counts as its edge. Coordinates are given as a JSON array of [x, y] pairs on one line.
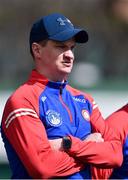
[[119, 122], [101, 154], [26, 133], [98, 173]]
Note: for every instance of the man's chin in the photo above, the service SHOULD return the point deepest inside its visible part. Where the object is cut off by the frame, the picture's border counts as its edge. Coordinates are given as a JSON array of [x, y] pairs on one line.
[[67, 70], [66, 73]]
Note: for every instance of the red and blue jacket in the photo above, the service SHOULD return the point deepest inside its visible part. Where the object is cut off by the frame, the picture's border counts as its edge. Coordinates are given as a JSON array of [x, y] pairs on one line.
[[119, 122], [40, 110]]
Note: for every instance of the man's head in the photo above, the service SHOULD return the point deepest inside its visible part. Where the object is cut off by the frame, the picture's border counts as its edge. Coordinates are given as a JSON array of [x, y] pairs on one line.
[[52, 40], [56, 27]]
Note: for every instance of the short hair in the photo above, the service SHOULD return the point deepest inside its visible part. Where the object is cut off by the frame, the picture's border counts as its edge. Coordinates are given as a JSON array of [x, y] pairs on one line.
[[42, 43]]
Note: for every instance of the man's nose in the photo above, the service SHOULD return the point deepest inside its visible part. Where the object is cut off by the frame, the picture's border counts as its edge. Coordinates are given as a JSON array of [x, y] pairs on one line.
[[69, 54]]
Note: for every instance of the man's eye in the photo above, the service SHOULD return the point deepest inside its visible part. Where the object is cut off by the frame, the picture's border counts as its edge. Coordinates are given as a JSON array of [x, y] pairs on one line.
[[61, 47]]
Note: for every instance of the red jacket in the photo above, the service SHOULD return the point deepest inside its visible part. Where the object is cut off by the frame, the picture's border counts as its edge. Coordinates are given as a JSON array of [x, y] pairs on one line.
[[40, 110]]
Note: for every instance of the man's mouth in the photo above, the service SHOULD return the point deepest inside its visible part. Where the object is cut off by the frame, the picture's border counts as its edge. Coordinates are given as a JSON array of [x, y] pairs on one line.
[[67, 63]]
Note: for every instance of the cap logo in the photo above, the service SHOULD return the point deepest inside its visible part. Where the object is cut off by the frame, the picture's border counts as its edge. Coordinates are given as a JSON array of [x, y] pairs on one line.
[[62, 21]]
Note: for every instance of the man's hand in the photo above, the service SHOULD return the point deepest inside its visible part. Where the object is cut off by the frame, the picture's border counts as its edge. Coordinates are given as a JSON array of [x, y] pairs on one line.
[[56, 144], [95, 137]]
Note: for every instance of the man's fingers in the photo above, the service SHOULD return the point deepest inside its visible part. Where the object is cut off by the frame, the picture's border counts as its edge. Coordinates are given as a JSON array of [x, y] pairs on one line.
[[56, 144], [96, 137]]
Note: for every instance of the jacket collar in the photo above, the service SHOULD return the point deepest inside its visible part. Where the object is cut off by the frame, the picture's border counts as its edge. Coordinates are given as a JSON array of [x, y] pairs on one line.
[[36, 77]]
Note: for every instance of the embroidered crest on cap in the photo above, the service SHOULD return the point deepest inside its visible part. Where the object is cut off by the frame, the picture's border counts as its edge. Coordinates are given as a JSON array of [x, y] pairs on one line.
[[62, 21], [85, 115], [53, 118]]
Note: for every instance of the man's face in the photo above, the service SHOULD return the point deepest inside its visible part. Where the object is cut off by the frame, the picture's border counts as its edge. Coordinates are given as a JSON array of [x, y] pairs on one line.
[[57, 59]]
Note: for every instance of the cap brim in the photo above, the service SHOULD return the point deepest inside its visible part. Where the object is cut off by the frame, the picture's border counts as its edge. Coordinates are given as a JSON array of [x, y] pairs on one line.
[[81, 36]]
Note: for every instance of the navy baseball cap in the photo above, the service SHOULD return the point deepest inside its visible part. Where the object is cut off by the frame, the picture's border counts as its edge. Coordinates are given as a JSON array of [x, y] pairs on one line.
[[56, 27]]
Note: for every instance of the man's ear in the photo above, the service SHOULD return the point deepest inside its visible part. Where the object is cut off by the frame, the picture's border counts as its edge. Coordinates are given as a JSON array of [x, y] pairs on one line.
[[36, 49]]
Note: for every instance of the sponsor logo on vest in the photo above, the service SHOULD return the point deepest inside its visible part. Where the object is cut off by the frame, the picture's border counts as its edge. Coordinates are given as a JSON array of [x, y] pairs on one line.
[[79, 100], [53, 118], [86, 115]]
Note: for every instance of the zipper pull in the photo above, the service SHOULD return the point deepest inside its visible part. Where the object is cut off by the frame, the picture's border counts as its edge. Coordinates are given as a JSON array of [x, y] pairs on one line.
[[61, 89]]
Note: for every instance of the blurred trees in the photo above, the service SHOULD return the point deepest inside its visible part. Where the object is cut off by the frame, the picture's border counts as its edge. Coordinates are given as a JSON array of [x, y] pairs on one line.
[[106, 25]]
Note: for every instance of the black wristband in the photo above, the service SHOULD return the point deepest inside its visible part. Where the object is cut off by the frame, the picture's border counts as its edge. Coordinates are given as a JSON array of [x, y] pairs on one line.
[[67, 143]]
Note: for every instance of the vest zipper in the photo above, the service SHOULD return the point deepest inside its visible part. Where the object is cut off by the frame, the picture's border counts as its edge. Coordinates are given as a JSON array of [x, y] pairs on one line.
[[63, 103]]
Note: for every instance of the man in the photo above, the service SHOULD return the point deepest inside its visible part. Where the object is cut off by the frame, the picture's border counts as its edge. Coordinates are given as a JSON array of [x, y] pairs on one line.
[[46, 108], [119, 122]]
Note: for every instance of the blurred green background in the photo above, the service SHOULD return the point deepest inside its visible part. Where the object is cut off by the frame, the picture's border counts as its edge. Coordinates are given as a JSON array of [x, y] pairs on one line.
[[102, 61], [101, 65], [5, 171]]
